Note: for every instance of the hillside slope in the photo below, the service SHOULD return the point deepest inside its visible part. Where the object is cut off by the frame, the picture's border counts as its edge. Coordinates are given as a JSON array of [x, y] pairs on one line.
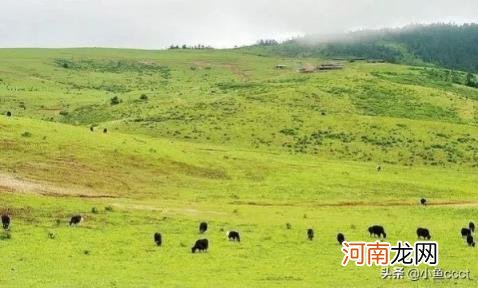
[[127, 187], [59, 160], [225, 137], [365, 112]]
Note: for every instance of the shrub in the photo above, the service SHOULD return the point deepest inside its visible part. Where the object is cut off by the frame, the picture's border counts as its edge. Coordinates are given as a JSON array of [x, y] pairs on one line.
[[26, 134], [143, 97], [115, 100]]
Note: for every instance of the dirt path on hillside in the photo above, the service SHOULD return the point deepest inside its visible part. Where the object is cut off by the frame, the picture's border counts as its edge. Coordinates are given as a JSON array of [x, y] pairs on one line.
[[14, 184], [442, 203], [168, 210]]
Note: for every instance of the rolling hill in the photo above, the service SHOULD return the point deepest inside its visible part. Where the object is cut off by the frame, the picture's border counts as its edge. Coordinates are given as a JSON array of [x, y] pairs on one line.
[[224, 136]]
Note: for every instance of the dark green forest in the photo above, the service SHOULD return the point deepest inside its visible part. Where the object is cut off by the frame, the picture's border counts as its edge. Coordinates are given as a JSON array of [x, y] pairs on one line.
[[445, 45]]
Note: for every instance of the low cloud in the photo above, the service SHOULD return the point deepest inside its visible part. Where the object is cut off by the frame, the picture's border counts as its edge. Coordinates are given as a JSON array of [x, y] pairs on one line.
[[220, 23]]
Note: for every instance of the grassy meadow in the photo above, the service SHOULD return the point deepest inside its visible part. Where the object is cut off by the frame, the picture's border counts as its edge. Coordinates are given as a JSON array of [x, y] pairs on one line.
[[223, 136]]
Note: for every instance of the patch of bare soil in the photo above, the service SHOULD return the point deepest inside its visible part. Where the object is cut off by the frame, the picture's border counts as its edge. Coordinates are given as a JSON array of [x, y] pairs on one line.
[[13, 184]]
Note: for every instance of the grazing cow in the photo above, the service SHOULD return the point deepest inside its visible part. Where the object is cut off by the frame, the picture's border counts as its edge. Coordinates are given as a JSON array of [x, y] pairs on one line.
[[340, 238], [465, 232], [423, 201], [202, 227], [377, 231], [423, 233], [105, 130], [9, 114], [158, 238], [75, 220], [470, 241], [5, 221], [310, 234], [471, 225], [233, 236], [201, 245]]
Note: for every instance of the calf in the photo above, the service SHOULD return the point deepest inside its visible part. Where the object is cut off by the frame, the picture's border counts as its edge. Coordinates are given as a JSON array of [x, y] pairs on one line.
[[310, 234], [202, 227], [340, 238], [377, 231], [471, 225], [158, 238], [423, 233], [75, 220], [201, 245], [465, 232], [470, 241], [233, 236], [5, 221], [423, 201]]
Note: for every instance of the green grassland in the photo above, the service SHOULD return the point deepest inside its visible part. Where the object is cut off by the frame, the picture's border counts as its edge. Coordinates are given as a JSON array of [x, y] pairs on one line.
[[223, 136]]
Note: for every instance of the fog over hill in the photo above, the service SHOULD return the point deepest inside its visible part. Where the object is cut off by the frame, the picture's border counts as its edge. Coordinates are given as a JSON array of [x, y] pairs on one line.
[[446, 45], [157, 24]]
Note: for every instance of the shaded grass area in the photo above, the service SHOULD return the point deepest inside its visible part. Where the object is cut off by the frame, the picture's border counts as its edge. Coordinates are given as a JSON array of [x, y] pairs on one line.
[[62, 159]]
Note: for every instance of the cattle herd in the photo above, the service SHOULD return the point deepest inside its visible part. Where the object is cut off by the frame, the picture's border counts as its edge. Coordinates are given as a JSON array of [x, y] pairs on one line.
[[202, 245]]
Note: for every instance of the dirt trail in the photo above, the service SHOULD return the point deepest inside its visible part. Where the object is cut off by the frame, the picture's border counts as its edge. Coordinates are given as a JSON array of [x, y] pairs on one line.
[[13, 184], [440, 203], [168, 210]]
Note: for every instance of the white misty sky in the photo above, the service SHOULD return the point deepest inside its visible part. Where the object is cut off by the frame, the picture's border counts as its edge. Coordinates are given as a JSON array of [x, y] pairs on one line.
[[221, 23]]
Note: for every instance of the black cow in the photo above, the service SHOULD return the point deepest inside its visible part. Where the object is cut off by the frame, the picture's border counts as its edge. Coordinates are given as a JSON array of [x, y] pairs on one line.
[[470, 241], [92, 129], [202, 227], [423, 201], [377, 231], [423, 233], [9, 114], [340, 238], [201, 245], [75, 220], [233, 236], [158, 239], [5, 221], [465, 232], [471, 225], [310, 234], [105, 130]]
